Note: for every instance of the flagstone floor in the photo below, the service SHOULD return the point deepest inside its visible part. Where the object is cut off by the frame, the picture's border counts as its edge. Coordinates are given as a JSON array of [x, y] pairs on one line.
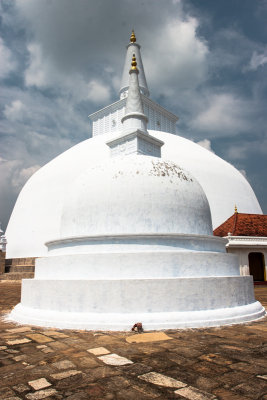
[[226, 363]]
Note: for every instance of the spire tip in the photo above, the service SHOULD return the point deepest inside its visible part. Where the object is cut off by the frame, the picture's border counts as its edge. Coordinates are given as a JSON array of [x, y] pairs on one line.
[[133, 38]]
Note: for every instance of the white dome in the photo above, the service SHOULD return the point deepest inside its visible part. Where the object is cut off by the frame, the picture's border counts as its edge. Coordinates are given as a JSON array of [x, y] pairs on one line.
[[135, 195], [36, 216]]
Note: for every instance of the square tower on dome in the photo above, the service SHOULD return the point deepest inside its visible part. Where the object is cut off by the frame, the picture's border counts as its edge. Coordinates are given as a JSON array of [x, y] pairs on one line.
[[108, 119]]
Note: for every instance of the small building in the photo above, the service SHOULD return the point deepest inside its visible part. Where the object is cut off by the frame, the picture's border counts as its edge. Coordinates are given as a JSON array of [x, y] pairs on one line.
[[247, 238]]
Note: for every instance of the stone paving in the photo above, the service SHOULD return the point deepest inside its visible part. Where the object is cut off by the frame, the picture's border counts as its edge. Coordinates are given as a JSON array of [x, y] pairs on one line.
[[226, 363]]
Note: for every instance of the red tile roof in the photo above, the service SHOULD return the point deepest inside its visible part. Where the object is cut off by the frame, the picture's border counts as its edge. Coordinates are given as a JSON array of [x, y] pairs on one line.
[[243, 225]]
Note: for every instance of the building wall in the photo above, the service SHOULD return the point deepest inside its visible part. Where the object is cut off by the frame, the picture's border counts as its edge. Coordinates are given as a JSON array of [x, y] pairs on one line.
[[20, 264], [2, 262], [243, 254]]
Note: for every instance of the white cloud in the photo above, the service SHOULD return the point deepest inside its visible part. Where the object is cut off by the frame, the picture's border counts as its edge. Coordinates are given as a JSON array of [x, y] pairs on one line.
[[7, 63], [241, 150], [15, 111], [223, 113], [98, 92], [206, 143], [13, 175], [41, 73], [243, 172], [257, 60], [36, 73], [21, 176], [177, 58]]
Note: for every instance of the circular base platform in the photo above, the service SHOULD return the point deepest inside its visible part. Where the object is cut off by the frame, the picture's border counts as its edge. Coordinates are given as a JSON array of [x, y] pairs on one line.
[[124, 322]]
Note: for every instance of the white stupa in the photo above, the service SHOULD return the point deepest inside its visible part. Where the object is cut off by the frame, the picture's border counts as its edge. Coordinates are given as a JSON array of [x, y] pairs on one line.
[[136, 245], [36, 217]]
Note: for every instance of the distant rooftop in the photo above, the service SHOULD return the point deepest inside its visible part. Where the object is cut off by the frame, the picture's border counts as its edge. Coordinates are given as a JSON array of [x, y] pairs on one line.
[[240, 224]]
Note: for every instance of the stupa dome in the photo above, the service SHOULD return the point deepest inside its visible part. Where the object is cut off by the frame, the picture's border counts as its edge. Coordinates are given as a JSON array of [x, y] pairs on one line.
[[36, 217], [135, 195]]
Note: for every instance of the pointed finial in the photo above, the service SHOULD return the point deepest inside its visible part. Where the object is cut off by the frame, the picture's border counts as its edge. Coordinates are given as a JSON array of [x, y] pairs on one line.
[[133, 38], [134, 63], [235, 209]]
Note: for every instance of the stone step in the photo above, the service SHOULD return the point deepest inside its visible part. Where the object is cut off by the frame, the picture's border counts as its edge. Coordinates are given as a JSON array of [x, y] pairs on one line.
[[16, 276]]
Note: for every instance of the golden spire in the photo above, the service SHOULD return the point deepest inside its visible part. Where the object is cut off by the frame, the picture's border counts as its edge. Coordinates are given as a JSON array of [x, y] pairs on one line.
[[134, 63], [132, 38], [235, 209]]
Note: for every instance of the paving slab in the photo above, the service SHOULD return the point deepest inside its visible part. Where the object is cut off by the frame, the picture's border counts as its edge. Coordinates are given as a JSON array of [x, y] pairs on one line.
[[88, 362], [37, 337], [98, 351], [147, 337], [18, 341], [262, 377], [161, 380], [21, 388], [114, 359], [63, 364], [47, 350], [40, 383], [65, 374], [20, 329], [57, 346], [41, 394], [192, 393], [12, 351], [56, 334], [20, 358]]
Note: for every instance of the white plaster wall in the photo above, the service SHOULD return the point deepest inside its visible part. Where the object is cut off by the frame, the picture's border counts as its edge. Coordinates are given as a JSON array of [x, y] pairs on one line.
[[153, 264], [137, 295], [118, 304], [36, 215]]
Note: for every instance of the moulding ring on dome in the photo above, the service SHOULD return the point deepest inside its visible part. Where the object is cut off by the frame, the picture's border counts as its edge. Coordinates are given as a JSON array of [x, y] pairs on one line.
[[137, 236], [137, 243]]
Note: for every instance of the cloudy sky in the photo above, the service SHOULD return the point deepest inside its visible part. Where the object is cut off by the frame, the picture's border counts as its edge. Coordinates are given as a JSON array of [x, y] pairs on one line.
[[61, 60]]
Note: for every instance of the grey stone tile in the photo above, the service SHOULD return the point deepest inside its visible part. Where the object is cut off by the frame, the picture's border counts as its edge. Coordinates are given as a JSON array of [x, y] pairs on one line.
[[40, 383], [192, 393], [114, 359], [161, 380], [65, 374], [41, 394], [64, 364]]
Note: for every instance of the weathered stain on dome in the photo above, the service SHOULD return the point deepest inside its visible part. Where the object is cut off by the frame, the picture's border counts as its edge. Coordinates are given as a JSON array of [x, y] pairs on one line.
[[159, 168], [167, 168], [117, 174]]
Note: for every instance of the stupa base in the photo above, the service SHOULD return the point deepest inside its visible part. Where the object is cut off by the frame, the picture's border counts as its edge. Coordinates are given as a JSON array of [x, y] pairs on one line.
[[124, 322], [117, 304]]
